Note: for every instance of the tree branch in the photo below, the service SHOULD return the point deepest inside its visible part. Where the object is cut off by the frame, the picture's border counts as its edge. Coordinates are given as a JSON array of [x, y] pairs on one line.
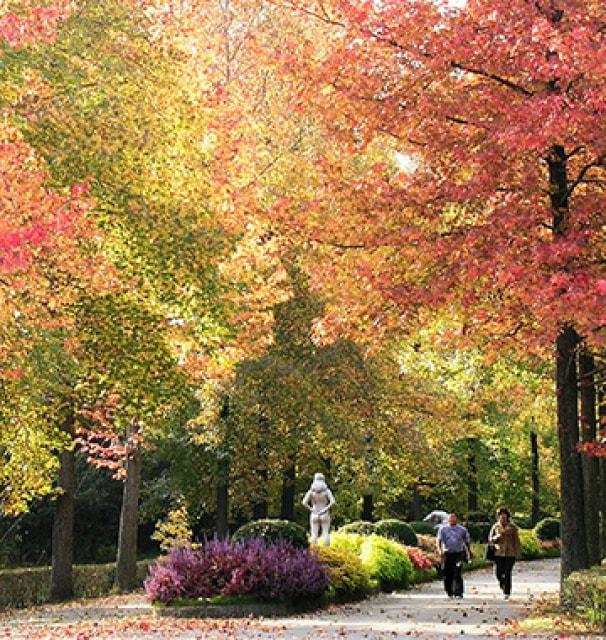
[[339, 245], [492, 76], [597, 163]]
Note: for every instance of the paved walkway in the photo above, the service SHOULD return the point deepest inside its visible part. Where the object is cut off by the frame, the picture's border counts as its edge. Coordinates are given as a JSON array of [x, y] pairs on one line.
[[426, 612], [423, 612]]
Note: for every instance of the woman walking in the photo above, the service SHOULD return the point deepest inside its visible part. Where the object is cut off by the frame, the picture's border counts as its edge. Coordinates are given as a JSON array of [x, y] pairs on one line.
[[504, 535]]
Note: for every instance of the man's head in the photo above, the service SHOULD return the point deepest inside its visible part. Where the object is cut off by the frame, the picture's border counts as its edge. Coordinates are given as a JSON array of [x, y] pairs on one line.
[[453, 519]]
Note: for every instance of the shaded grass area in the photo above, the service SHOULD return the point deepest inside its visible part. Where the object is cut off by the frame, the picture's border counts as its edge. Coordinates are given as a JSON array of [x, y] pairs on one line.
[[547, 616]]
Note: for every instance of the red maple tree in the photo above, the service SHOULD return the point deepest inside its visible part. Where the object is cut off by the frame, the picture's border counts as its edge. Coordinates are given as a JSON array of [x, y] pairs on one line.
[[499, 107]]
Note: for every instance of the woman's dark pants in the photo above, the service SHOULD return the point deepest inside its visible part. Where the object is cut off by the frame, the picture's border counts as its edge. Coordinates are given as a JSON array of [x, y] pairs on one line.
[[503, 568]]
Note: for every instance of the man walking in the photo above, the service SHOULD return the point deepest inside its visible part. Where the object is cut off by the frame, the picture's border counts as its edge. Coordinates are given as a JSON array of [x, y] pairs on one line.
[[453, 546]]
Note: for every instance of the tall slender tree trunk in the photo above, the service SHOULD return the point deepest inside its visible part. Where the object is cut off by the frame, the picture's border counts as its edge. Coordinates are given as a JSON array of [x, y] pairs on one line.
[[591, 465], [572, 510], [417, 503], [126, 564], [223, 471], [472, 475], [367, 507], [287, 509], [222, 495], [260, 506], [61, 581], [602, 468], [572, 503], [536, 497], [260, 509]]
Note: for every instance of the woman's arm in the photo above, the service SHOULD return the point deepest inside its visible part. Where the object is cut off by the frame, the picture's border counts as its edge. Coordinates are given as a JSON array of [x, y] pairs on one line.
[[494, 535]]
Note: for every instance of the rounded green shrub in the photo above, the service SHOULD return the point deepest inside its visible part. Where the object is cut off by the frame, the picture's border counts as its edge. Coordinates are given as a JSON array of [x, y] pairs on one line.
[[397, 530], [387, 561], [478, 531], [547, 529], [424, 528], [523, 522], [477, 516], [273, 530], [348, 576], [361, 527], [531, 547], [351, 542]]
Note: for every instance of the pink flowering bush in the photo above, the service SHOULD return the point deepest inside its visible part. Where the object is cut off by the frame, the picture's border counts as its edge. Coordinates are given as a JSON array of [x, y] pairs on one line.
[[419, 560]]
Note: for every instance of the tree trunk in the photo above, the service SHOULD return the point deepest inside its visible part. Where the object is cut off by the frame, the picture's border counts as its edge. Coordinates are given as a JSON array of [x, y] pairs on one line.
[[223, 468], [126, 563], [287, 510], [536, 499], [602, 467], [61, 582], [572, 510], [591, 465], [417, 503], [367, 507], [472, 476], [260, 507], [222, 495], [260, 510]]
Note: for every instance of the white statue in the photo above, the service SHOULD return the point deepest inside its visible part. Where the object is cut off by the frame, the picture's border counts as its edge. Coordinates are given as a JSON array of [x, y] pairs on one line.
[[319, 500]]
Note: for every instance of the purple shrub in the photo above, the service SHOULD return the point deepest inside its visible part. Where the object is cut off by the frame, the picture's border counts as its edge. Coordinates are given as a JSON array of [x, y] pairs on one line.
[[277, 571], [163, 584]]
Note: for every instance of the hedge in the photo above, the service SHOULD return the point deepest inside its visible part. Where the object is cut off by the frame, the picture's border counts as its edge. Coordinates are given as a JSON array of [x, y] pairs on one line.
[[349, 578], [533, 548], [397, 530], [547, 529], [478, 531], [361, 527], [349, 541], [585, 592], [271, 531], [477, 516], [424, 528], [20, 588], [387, 561]]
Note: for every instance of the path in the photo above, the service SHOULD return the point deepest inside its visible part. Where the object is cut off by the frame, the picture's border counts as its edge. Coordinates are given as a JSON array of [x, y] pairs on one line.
[[423, 612]]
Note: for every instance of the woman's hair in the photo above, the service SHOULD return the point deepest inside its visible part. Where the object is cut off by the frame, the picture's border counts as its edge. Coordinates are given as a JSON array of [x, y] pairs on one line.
[[504, 510]]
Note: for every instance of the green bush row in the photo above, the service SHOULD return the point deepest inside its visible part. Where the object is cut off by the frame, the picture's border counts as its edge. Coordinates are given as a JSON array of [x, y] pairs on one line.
[[534, 549], [21, 588], [478, 531], [386, 560], [547, 529], [423, 528], [585, 592], [272, 530], [391, 528], [349, 578]]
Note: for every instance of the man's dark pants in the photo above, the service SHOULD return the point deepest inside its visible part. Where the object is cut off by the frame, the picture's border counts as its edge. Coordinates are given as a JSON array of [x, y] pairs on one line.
[[453, 576]]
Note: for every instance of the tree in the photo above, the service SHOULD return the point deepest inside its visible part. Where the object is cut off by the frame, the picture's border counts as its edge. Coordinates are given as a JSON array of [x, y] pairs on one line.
[[501, 212]]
